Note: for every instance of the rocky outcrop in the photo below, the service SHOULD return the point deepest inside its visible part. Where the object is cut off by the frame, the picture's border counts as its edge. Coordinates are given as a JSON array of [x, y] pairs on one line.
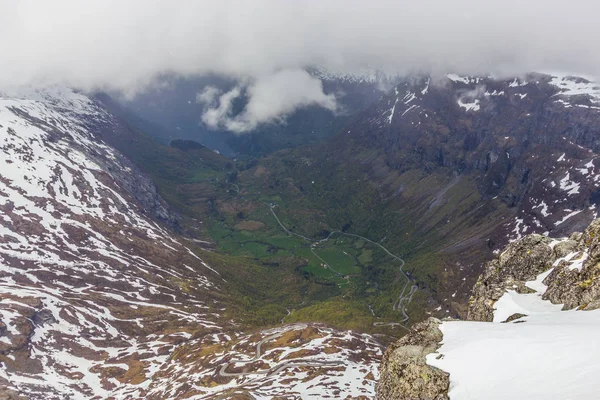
[[574, 281], [522, 261], [405, 374], [10, 394]]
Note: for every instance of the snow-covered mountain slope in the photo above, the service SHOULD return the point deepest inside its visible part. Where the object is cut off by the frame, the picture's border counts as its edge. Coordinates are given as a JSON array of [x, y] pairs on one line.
[[547, 355], [90, 288], [365, 76], [541, 128], [300, 361], [99, 301], [533, 322]]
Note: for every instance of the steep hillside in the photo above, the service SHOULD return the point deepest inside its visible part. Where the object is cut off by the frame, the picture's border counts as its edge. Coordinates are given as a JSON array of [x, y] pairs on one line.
[[99, 298]]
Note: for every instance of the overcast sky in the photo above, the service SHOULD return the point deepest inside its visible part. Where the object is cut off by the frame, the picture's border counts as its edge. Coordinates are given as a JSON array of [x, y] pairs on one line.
[[125, 44]]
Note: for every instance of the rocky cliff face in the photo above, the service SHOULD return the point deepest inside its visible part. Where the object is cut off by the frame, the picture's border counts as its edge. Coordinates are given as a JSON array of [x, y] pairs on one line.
[[520, 262], [532, 142], [565, 272], [404, 370], [574, 281]]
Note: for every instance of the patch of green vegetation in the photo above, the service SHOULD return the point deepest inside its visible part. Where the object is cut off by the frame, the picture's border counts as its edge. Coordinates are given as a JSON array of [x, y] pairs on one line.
[[366, 256], [374, 281], [337, 311], [205, 174]]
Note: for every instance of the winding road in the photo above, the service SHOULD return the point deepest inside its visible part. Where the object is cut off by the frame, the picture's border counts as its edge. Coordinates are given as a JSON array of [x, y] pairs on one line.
[[403, 300], [279, 367]]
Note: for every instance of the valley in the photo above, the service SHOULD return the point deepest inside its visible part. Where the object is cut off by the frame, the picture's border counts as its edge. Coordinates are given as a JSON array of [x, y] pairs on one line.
[[444, 209], [295, 200]]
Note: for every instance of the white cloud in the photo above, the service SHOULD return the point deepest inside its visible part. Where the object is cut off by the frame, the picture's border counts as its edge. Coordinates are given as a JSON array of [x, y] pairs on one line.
[[270, 98], [208, 96], [216, 115], [125, 45]]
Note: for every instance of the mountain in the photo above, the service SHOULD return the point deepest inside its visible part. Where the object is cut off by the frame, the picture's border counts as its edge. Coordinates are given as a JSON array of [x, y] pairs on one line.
[[101, 297], [445, 171], [532, 317], [136, 268]]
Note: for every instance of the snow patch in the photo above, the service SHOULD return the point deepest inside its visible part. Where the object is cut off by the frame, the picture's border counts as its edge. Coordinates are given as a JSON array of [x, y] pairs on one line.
[[550, 355]]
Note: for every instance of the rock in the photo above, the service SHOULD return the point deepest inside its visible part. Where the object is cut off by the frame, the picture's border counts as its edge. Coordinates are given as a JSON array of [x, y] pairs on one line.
[[574, 281], [593, 305], [522, 261], [514, 317], [576, 236], [578, 287], [140, 187], [565, 247], [404, 371], [591, 239], [526, 258], [10, 394], [43, 317]]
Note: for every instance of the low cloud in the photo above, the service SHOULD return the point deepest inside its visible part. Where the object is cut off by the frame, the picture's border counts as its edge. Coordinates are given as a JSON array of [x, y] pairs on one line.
[[208, 96], [270, 99]]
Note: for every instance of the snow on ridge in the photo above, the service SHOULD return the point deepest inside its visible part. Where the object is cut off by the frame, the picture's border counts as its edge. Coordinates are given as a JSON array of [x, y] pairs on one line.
[[517, 83], [543, 208], [494, 93], [566, 217], [426, 88], [463, 79], [519, 230], [549, 353], [570, 86], [365, 75], [573, 86], [472, 106], [569, 186], [393, 110]]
